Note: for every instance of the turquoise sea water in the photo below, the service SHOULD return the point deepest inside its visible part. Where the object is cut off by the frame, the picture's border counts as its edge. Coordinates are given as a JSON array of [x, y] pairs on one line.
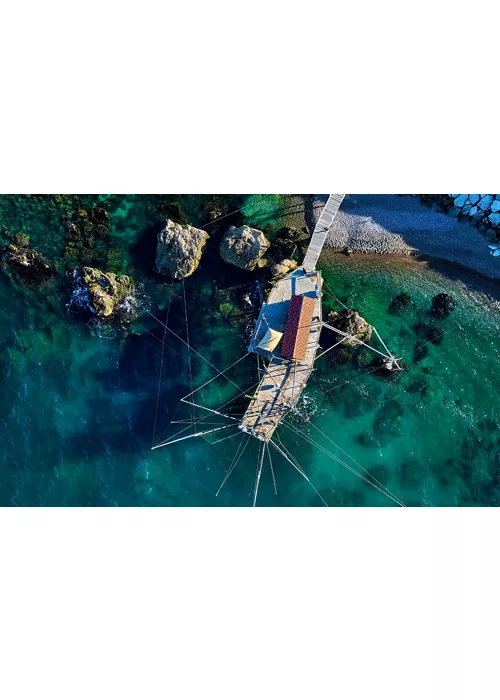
[[80, 412]]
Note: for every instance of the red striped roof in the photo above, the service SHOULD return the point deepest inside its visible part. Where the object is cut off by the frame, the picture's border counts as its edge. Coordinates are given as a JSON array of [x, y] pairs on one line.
[[298, 327]]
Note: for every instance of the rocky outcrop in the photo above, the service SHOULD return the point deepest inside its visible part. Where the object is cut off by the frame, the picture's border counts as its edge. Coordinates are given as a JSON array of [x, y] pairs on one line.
[[179, 249], [481, 210], [26, 266], [102, 295], [281, 269], [243, 246], [349, 321]]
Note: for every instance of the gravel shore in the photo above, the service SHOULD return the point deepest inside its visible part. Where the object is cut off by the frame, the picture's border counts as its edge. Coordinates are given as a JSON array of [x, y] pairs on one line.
[[400, 225]]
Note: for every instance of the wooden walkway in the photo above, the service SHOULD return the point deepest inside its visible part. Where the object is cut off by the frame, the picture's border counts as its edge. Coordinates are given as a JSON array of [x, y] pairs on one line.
[[282, 380], [320, 231]]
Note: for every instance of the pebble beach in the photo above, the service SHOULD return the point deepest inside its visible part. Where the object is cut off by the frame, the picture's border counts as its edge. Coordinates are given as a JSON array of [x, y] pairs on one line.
[[400, 225]]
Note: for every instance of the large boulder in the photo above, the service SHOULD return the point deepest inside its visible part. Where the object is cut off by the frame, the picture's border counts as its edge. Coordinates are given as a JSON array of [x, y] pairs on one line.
[[103, 295], [485, 202], [349, 321], [179, 249], [460, 200], [243, 246], [26, 266], [494, 219]]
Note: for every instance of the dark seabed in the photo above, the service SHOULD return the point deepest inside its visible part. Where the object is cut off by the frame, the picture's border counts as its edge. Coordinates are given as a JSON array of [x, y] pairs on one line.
[[78, 404]]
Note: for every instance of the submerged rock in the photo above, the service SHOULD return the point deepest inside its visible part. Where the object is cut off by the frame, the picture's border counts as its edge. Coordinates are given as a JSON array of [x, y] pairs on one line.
[[430, 333], [419, 386], [349, 321], [399, 304], [389, 418], [26, 266], [243, 246], [420, 352], [442, 306], [215, 208], [412, 474], [179, 249], [102, 295]]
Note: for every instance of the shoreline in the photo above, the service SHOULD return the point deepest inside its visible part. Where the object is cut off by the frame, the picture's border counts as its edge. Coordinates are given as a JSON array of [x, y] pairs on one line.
[[399, 226], [450, 268]]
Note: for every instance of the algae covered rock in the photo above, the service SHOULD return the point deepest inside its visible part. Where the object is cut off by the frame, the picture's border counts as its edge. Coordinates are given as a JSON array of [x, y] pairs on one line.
[[428, 332], [399, 304], [103, 295], [179, 249], [26, 266], [442, 306], [349, 321], [243, 246]]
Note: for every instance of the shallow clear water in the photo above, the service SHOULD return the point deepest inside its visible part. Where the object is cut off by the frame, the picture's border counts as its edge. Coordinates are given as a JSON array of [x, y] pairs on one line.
[[78, 410]]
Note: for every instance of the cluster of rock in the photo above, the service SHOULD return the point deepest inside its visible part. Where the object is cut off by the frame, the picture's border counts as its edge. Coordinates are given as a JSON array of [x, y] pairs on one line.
[[102, 295], [180, 249], [481, 210], [26, 266]]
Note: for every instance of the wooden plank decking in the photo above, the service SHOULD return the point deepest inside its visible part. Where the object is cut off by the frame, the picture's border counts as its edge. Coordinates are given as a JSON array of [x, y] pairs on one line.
[[320, 231], [274, 311], [283, 380]]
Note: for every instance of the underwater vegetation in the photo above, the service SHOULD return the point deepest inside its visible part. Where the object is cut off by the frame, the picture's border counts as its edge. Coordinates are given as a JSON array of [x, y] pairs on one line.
[[80, 406]]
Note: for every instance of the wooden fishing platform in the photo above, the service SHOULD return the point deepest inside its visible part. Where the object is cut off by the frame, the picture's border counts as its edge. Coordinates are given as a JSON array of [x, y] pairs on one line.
[[282, 379]]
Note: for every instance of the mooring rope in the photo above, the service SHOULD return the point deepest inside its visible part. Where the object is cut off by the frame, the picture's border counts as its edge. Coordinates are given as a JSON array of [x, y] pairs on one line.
[[347, 466], [222, 439], [211, 410], [272, 470], [300, 470], [355, 462], [218, 407], [217, 375], [260, 462], [333, 295], [161, 367], [246, 206], [190, 373], [187, 437], [236, 459], [195, 351]]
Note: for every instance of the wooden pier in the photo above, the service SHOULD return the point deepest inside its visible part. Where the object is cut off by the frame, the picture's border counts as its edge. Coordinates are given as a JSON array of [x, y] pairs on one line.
[[320, 231]]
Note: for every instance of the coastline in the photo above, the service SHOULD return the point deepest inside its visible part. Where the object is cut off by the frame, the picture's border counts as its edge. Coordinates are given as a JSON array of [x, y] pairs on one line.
[[398, 225], [453, 270]]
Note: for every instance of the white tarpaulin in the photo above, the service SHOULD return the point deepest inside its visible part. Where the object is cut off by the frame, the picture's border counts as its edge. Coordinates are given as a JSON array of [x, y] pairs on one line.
[[270, 340]]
